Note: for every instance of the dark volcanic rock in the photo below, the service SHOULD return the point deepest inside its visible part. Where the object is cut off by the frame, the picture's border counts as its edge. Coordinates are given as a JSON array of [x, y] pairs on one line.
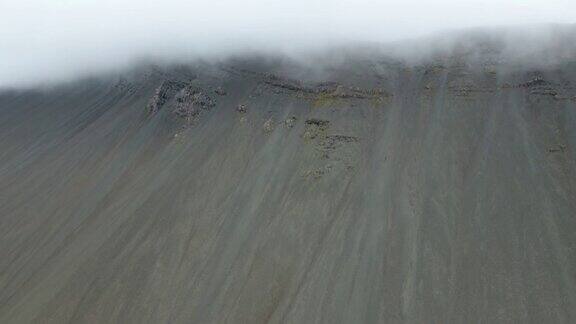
[[268, 126], [125, 86], [163, 93], [536, 82], [191, 101], [315, 128], [220, 91], [241, 109], [290, 122], [328, 88], [317, 122]]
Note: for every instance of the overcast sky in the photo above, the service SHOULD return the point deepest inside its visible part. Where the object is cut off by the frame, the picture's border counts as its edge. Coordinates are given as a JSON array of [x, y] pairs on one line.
[[44, 40]]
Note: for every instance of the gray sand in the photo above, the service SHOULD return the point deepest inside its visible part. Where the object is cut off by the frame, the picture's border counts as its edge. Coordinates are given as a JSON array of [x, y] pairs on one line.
[[439, 193]]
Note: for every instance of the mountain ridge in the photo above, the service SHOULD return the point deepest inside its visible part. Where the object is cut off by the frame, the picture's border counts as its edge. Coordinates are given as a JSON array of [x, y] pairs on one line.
[[364, 189]]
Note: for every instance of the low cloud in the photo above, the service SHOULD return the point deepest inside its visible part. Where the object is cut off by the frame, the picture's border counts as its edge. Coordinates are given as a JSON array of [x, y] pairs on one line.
[[44, 41]]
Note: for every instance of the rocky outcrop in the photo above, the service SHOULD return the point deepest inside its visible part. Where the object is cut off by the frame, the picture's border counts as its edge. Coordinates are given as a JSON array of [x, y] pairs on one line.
[[163, 94], [241, 109], [191, 101], [560, 148], [317, 122], [290, 122], [125, 86], [310, 90], [315, 128], [268, 126], [284, 83], [536, 82], [332, 89], [331, 143], [220, 91], [333, 152], [467, 88], [318, 173], [538, 87]]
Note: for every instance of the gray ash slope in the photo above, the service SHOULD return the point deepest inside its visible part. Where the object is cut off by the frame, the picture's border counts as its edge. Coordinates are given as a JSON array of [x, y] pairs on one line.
[[257, 191]]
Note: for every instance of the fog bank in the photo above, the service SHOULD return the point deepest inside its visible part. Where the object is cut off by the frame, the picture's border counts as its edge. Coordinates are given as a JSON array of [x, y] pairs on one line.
[[55, 40]]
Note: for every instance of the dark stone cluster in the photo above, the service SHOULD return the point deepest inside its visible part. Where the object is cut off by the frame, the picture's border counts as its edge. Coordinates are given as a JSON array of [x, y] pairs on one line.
[[190, 101], [163, 93]]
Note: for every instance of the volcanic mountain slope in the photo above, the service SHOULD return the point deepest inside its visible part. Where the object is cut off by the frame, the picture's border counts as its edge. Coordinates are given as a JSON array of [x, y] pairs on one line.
[[258, 191]]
